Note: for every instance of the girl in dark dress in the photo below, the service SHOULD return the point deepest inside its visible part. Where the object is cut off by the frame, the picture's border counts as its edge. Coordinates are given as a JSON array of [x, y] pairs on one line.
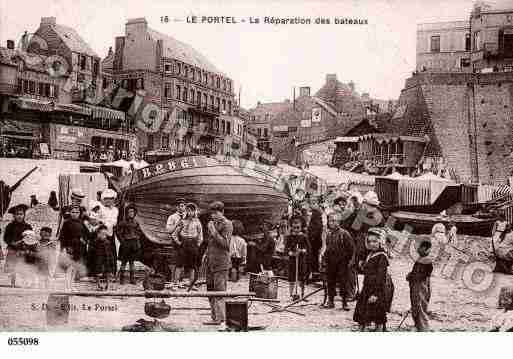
[[298, 248], [375, 299]]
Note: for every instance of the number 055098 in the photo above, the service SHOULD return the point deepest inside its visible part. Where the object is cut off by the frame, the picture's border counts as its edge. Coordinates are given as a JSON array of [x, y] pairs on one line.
[[22, 341]]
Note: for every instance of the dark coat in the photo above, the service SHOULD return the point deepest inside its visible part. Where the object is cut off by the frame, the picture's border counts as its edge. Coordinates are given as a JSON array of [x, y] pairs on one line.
[[315, 226], [292, 243], [376, 282], [218, 248], [260, 254], [73, 238], [13, 234], [339, 248]]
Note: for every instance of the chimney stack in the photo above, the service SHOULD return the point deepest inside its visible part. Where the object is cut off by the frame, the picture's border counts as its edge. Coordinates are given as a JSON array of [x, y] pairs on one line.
[[48, 21], [331, 78], [10, 44], [304, 91]]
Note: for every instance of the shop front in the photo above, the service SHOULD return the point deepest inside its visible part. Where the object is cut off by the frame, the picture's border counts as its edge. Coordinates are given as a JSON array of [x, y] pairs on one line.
[[89, 144]]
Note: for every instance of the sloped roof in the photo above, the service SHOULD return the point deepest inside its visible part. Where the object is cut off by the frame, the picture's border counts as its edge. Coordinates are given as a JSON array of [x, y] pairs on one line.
[[31, 61], [73, 40], [181, 51], [108, 62]]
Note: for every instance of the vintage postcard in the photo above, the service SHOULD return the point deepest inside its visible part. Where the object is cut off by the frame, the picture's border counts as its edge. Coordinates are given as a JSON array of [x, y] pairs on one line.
[[255, 166]]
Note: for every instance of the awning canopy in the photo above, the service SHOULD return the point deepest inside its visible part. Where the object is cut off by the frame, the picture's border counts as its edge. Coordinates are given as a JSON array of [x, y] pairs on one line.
[[33, 104], [20, 137], [69, 107], [392, 138], [346, 139], [106, 113]]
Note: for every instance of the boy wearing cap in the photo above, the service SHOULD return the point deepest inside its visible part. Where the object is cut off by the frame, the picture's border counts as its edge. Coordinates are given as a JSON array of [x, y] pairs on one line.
[[217, 259], [175, 266], [129, 233], [13, 237], [189, 233], [337, 254]]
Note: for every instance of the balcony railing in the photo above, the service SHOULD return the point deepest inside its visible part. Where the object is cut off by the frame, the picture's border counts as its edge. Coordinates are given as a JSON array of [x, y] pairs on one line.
[[8, 88]]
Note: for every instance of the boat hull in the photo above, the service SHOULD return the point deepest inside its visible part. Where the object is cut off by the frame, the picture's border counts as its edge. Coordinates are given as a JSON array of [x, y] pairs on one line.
[[250, 194], [422, 223]]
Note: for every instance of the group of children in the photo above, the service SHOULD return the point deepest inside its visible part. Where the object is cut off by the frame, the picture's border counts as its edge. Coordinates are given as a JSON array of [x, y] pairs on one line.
[[86, 241]]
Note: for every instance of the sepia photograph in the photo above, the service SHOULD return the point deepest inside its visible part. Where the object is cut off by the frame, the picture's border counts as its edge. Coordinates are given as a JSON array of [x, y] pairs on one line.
[[274, 166]]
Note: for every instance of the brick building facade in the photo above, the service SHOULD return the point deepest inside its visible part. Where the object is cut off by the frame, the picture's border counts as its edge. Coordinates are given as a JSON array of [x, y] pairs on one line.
[[180, 85], [467, 118]]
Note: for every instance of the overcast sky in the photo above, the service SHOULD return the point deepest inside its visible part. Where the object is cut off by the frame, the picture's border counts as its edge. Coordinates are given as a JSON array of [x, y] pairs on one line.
[[266, 60]]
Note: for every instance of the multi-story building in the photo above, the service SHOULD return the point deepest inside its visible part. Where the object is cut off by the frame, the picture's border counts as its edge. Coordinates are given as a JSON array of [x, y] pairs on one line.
[[484, 43], [492, 38], [181, 83], [260, 122], [38, 83], [444, 46]]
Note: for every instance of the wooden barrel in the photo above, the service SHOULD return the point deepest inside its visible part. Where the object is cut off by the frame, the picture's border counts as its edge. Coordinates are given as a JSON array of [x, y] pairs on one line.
[[57, 311]]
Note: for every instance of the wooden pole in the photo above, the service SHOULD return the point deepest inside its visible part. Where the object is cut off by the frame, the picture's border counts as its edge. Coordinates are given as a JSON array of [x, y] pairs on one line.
[[280, 309], [146, 294]]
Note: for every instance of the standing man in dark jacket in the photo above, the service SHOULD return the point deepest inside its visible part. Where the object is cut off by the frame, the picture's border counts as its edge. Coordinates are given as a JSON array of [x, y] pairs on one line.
[[217, 259], [337, 254], [315, 230]]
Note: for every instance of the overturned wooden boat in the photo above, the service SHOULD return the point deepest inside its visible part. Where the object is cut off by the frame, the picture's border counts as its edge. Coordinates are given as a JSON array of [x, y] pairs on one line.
[[251, 192], [422, 223]]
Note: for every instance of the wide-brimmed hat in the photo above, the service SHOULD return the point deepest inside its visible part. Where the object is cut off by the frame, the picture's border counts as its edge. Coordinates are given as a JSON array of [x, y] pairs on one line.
[[191, 206], [93, 205], [29, 237], [371, 198], [438, 228], [77, 193], [18, 207], [109, 193]]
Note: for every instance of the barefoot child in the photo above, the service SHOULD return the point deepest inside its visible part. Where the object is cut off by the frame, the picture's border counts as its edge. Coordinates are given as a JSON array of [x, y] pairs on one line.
[[420, 287], [298, 248], [376, 296]]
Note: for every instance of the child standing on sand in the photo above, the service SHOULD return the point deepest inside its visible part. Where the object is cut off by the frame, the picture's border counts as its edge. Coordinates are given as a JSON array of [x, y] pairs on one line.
[[420, 287]]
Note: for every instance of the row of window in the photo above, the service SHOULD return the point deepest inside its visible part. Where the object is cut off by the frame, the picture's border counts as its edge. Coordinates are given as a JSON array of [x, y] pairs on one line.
[[38, 88], [85, 62], [267, 117], [265, 132], [198, 75], [192, 96], [505, 42], [435, 43]]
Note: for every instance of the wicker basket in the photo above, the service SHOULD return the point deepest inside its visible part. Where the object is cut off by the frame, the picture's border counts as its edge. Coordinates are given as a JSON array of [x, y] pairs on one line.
[[264, 286]]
